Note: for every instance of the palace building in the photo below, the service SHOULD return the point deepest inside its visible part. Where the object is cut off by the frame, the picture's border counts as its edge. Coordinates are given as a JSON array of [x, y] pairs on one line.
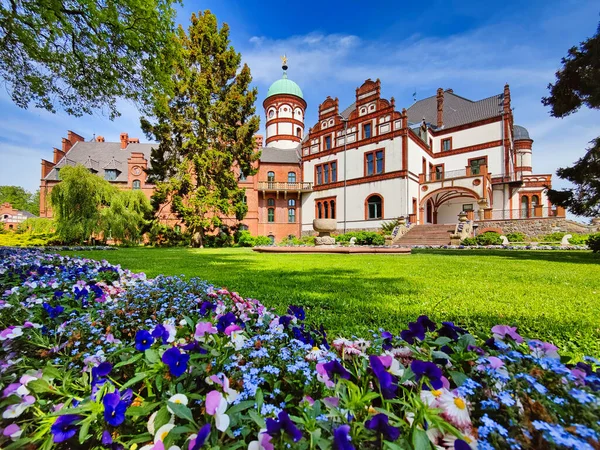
[[369, 163]]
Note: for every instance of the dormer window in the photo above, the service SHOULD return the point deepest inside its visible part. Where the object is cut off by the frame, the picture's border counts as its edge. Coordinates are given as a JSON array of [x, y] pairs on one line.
[[110, 174]]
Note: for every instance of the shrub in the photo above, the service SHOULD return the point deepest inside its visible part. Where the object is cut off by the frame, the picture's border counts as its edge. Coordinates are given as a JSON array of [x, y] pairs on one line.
[[388, 227], [261, 241], [161, 235], [469, 241], [37, 226], [25, 240], [593, 242], [552, 237], [489, 238], [244, 239], [516, 237], [579, 239], [362, 238]]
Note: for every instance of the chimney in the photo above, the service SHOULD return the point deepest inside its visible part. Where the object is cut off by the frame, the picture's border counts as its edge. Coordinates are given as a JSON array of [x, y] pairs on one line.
[[99, 138], [404, 118], [506, 100], [450, 91], [74, 137], [124, 140], [58, 155], [440, 108], [66, 145]]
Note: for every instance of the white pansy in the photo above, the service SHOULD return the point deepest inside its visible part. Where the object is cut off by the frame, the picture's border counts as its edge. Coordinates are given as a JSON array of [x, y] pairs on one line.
[[179, 399], [163, 431]]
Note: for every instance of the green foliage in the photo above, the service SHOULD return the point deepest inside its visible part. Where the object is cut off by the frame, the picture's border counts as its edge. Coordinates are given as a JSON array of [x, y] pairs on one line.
[[244, 239], [516, 237], [593, 242], [489, 238], [469, 241], [25, 239], [388, 227], [160, 235], [578, 84], [362, 238], [261, 241], [205, 129], [87, 206], [293, 240], [351, 295], [20, 199], [222, 238], [125, 218], [37, 226], [83, 55]]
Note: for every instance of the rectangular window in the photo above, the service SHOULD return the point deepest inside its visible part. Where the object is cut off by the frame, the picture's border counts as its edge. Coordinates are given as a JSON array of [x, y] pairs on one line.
[[110, 174], [327, 142], [475, 165], [326, 172], [292, 215], [467, 207], [446, 144], [439, 172], [374, 162], [366, 131], [271, 215]]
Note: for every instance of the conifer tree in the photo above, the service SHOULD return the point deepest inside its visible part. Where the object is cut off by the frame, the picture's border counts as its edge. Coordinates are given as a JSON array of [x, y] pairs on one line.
[[205, 129]]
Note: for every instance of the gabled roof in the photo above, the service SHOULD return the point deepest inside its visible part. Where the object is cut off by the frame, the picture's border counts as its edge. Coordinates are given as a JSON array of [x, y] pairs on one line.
[[346, 113], [457, 110], [107, 156]]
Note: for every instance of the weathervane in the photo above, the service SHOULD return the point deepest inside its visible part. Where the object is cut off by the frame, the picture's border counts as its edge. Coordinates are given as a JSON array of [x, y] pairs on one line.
[[284, 65]]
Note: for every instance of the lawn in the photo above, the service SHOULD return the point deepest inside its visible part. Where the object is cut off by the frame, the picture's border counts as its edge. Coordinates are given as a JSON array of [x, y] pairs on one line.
[[548, 295]]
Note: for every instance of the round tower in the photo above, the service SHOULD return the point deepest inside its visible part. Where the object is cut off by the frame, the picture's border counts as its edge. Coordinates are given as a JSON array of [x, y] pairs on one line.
[[523, 144], [284, 111]]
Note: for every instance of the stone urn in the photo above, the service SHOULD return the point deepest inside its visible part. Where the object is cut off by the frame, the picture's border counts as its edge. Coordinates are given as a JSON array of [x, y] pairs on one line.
[[324, 227]]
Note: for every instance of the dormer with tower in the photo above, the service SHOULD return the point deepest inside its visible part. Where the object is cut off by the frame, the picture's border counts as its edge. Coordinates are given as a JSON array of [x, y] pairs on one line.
[[284, 111]]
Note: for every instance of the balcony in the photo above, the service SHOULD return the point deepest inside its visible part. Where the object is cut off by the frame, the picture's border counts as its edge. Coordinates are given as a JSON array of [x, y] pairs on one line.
[[472, 178], [281, 186]]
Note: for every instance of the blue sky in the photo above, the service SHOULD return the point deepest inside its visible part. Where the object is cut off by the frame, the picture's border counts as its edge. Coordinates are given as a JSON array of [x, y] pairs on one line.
[[471, 47]]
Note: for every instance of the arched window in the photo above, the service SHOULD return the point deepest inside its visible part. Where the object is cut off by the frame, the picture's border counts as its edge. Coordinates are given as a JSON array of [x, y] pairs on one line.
[[292, 215], [291, 177], [271, 202], [332, 204], [292, 203], [272, 238], [299, 132], [524, 207], [271, 176], [374, 207], [319, 210], [271, 215], [136, 184], [535, 202], [326, 210]]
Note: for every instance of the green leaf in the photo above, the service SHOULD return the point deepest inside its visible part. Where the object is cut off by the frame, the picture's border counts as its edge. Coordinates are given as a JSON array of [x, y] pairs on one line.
[[131, 360], [151, 356], [182, 411], [51, 373], [258, 419], [436, 354], [241, 406], [420, 440], [84, 430], [39, 386], [458, 377], [162, 417], [190, 322], [259, 399], [442, 340], [139, 377], [143, 410], [142, 437]]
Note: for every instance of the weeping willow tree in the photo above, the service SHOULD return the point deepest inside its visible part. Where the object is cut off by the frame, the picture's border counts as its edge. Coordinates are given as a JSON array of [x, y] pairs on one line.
[[87, 206]]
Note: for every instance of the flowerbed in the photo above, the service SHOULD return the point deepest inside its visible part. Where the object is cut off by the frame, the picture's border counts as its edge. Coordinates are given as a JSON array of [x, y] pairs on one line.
[[94, 356]]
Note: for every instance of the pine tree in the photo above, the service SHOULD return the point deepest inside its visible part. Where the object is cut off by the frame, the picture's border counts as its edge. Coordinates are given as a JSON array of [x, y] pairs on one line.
[[204, 130], [578, 84]]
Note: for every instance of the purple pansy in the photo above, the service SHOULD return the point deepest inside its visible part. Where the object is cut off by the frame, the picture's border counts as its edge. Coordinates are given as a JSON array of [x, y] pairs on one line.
[[451, 331], [53, 312], [176, 361], [335, 369], [426, 323], [502, 331], [297, 311], [380, 424], [283, 423], [143, 340], [226, 320], [200, 439], [341, 438], [114, 408], [428, 370], [160, 332], [387, 382], [64, 427], [415, 331]]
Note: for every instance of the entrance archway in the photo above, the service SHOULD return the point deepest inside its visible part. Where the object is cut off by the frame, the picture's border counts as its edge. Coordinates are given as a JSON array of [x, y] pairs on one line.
[[443, 205]]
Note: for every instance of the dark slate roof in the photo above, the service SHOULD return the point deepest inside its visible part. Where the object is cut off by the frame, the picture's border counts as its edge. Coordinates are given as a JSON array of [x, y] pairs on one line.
[[457, 110], [520, 132], [102, 156], [26, 213], [279, 155]]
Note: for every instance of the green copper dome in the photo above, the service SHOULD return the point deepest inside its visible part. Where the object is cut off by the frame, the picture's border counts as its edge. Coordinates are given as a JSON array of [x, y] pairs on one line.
[[285, 86]]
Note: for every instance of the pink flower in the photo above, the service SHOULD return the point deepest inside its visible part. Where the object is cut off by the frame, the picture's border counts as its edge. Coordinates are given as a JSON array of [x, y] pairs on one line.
[[203, 328], [231, 328], [213, 398], [12, 431], [541, 349], [501, 331]]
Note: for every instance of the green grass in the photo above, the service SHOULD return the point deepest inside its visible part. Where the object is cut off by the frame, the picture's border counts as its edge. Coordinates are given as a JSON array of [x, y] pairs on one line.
[[549, 295]]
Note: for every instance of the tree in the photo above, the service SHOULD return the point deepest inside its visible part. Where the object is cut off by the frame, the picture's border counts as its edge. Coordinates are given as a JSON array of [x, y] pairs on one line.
[[82, 55], [21, 199], [87, 206], [76, 202], [205, 129], [578, 84]]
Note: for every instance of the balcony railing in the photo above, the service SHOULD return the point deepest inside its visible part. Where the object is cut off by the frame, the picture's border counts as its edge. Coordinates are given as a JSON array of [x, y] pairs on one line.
[[284, 186], [526, 213], [452, 174]]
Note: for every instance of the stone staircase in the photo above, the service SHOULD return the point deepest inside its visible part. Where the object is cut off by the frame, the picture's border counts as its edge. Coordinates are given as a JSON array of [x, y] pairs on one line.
[[427, 235]]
